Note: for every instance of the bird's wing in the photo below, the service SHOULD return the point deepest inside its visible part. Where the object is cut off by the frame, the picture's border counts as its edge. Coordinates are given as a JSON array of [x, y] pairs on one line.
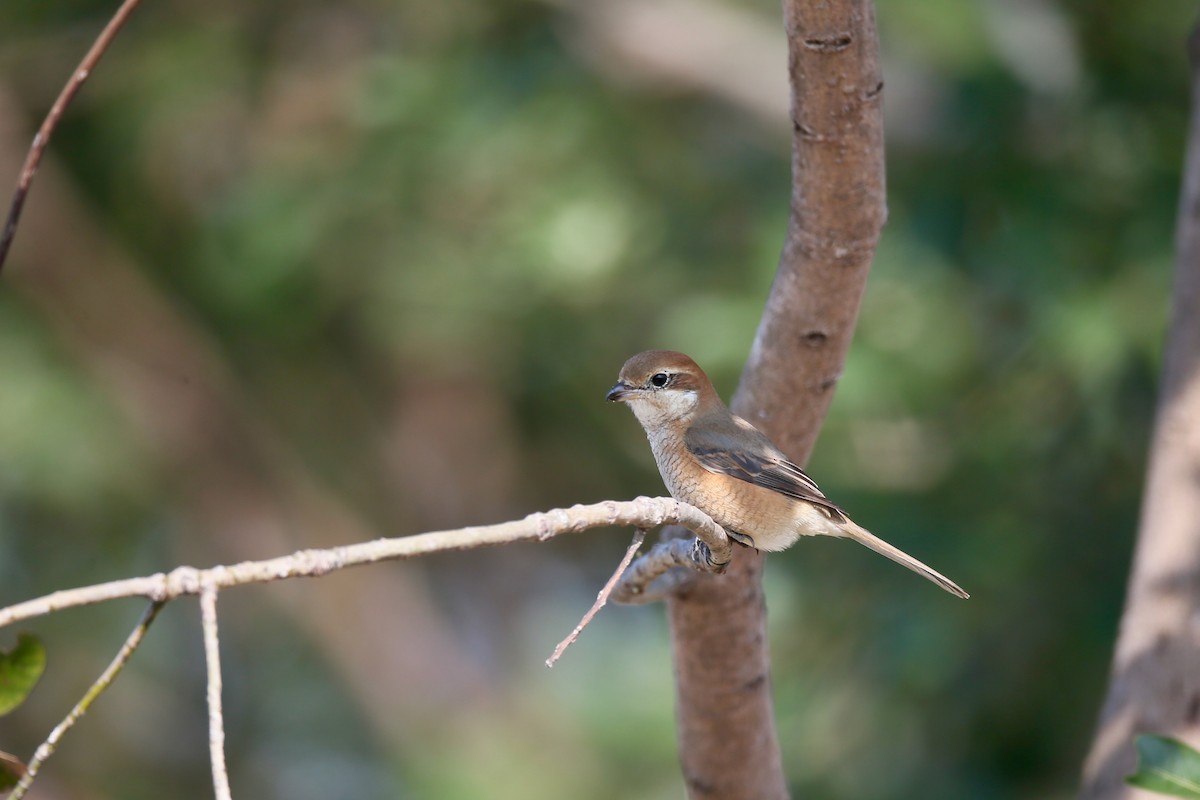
[[726, 453]]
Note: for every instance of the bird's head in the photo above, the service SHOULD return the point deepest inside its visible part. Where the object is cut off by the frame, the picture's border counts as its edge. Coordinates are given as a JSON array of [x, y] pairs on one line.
[[662, 387]]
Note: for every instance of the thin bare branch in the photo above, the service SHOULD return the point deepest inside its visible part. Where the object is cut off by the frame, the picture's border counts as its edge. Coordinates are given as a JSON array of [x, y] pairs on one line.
[[639, 536], [216, 718], [641, 512], [641, 584], [42, 139], [47, 748]]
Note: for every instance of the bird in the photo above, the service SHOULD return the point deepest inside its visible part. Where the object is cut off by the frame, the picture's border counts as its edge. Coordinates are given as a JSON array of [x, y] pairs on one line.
[[718, 462]]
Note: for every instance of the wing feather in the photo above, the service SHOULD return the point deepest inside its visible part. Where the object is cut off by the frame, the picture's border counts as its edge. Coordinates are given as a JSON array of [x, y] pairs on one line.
[[726, 453]]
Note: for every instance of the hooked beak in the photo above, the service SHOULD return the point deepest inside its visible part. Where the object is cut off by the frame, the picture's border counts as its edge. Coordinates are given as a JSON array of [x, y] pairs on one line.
[[618, 392]]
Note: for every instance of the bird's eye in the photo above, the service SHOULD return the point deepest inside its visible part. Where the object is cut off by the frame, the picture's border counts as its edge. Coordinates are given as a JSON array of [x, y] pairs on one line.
[[660, 379]]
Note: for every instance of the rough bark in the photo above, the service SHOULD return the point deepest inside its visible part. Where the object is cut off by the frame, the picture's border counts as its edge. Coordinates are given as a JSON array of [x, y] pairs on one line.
[[1155, 682], [727, 740]]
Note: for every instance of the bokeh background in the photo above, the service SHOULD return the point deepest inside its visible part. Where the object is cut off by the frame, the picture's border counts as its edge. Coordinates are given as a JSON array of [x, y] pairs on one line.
[[296, 274]]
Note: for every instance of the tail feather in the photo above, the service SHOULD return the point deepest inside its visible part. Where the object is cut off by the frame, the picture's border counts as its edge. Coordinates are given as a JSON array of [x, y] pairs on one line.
[[865, 537]]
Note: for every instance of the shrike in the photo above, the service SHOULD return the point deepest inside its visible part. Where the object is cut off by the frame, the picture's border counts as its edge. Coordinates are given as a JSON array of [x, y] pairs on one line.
[[723, 465]]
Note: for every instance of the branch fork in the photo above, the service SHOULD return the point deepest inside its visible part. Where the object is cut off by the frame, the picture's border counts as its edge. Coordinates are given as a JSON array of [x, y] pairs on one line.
[[710, 551]]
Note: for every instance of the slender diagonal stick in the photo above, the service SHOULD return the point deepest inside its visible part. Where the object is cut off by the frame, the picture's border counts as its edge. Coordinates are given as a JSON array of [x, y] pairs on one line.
[[639, 536], [42, 139], [47, 748], [216, 718]]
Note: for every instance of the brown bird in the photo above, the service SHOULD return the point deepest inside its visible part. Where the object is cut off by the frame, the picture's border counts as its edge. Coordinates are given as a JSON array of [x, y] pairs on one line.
[[723, 465]]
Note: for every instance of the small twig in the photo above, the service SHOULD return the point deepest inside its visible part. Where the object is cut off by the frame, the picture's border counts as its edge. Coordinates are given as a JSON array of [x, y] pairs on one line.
[[642, 512], [216, 720], [673, 582], [651, 577], [42, 139], [639, 536], [47, 748]]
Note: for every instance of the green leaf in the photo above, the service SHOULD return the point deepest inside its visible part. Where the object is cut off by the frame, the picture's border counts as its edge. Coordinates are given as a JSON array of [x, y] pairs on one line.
[[11, 771], [20, 669], [1167, 766]]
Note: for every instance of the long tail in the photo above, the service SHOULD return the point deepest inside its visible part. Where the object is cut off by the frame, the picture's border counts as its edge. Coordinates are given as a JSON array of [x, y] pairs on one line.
[[865, 537]]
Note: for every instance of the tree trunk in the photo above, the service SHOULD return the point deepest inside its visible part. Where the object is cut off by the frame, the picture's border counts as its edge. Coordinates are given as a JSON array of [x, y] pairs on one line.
[[1155, 684], [727, 740]]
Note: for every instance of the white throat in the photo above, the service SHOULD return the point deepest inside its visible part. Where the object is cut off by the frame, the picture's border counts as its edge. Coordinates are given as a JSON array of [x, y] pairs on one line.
[[668, 406]]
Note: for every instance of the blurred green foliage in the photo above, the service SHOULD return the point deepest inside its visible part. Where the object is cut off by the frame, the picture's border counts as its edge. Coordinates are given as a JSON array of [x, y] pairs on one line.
[[418, 240]]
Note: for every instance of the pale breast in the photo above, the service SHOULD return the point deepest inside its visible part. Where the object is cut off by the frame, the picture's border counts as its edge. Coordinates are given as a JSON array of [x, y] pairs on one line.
[[768, 519]]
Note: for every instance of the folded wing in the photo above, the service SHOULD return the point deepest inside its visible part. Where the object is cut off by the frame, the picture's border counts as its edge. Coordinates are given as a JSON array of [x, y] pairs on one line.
[[760, 463]]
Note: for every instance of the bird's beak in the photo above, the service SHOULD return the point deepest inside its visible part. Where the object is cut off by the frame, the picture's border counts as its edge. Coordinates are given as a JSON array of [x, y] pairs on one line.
[[618, 392]]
